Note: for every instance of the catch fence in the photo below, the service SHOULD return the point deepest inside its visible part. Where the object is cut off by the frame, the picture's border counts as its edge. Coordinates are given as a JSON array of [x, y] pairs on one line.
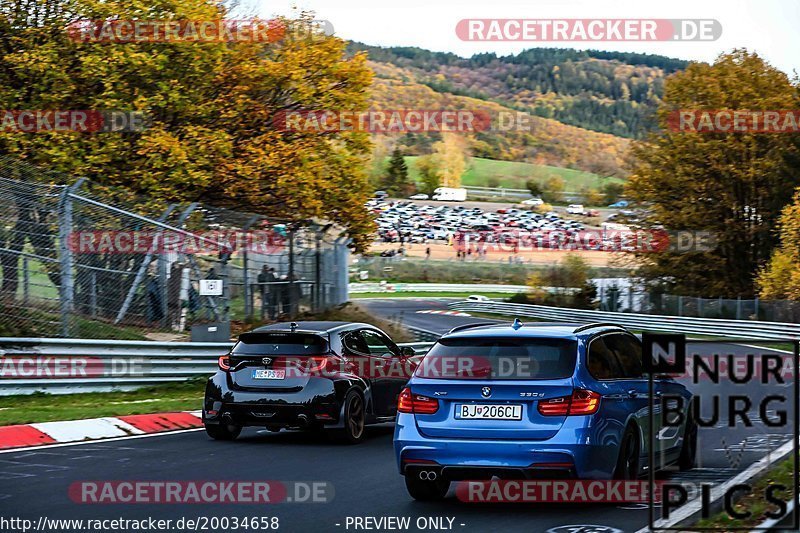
[[81, 260]]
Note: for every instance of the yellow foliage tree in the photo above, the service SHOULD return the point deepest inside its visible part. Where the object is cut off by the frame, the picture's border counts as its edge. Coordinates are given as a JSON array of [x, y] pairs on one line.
[[780, 279], [211, 136], [452, 158]]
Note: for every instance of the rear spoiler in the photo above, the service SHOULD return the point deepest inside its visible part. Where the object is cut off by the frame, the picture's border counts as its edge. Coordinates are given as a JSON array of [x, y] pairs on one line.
[[254, 337]]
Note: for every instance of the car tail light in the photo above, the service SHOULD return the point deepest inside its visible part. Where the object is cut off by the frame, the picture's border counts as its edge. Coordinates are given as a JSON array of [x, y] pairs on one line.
[[581, 402], [408, 402], [318, 364], [224, 363]]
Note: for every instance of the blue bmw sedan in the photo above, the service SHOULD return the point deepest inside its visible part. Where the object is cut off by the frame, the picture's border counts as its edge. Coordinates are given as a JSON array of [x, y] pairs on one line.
[[539, 401]]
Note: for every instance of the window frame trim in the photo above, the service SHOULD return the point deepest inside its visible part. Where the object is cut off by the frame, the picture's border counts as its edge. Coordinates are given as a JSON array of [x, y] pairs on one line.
[[603, 334]]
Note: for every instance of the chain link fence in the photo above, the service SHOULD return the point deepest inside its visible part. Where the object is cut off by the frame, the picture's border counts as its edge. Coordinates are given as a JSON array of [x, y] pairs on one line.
[[622, 296], [81, 260]]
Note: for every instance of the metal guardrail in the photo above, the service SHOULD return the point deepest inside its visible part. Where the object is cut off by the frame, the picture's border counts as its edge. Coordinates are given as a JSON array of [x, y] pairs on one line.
[[503, 192], [61, 366], [356, 288], [673, 324]]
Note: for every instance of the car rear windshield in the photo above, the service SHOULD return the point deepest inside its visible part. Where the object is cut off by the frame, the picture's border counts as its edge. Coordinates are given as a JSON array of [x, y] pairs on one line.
[[499, 358], [280, 344]]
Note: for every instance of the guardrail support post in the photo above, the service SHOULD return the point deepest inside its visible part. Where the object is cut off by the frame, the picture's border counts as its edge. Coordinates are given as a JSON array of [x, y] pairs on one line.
[[67, 288], [247, 292]]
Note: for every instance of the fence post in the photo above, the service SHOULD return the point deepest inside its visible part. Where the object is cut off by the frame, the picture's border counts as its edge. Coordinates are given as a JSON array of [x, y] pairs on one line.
[[67, 288], [755, 302], [145, 263], [25, 281], [247, 293], [162, 285], [290, 275], [739, 307], [93, 294], [680, 305]]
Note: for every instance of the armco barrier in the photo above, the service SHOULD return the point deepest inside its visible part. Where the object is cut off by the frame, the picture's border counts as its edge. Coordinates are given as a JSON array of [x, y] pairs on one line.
[[356, 288], [61, 366], [751, 329]]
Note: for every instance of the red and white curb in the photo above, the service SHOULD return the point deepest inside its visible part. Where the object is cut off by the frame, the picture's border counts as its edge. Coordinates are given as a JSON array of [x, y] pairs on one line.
[[96, 428], [442, 312]]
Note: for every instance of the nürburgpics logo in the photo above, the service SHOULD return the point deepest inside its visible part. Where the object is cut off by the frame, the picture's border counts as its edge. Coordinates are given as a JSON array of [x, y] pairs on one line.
[[588, 30], [740, 406]]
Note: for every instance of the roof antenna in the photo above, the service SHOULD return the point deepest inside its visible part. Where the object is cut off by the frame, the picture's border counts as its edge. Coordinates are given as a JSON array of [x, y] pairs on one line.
[[293, 326], [517, 324]]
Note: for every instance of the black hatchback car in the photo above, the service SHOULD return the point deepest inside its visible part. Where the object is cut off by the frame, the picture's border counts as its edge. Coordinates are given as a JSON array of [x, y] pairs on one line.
[[307, 375]]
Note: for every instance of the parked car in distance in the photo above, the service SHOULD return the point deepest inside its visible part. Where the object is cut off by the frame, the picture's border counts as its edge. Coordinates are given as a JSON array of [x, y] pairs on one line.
[[380, 195], [477, 298], [419, 196], [533, 202], [546, 401], [306, 375], [575, 209], [619, 205]]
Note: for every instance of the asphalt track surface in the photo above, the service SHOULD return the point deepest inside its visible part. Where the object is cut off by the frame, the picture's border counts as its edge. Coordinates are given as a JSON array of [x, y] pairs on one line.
[[35, 482]]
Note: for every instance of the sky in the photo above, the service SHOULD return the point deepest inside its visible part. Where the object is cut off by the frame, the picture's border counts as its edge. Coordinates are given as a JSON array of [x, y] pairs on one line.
[[769, 27]]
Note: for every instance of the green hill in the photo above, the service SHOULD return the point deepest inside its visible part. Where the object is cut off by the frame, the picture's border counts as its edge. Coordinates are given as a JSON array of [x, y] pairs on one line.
[[513, 175]]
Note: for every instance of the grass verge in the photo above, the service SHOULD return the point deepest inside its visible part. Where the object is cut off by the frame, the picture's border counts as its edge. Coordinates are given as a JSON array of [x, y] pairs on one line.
[[425, 294], [754, 502], [42, 407]]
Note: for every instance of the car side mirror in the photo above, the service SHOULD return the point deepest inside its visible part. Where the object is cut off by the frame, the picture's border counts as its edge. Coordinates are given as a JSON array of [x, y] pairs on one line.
[[407, 351]]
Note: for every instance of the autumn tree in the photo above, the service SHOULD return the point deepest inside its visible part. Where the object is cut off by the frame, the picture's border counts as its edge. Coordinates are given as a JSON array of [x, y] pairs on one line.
[[612, 192], [395, 180], [429, 174], [534, 187], [553, 189], [211, 136], [450, 155], [780, 278], [733, 185], [591, 196], [381, 149]]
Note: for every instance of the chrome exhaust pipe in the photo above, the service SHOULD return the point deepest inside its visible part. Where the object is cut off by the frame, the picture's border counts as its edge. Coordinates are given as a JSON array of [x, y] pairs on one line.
[[426, 475], [303, 420]]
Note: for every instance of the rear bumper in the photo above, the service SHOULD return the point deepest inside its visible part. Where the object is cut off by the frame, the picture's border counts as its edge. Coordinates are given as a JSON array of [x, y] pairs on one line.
[[318, 403], [570, 453]]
